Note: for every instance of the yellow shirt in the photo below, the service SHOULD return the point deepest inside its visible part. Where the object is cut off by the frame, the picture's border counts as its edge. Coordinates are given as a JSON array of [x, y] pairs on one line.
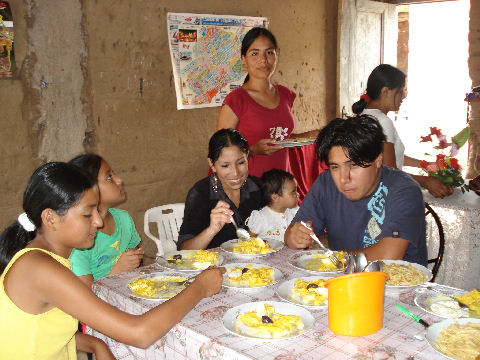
[[46, 336]]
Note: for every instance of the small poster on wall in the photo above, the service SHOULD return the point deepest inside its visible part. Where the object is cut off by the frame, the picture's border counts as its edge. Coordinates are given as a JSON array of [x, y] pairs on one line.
[[205, 53], [7, 62]]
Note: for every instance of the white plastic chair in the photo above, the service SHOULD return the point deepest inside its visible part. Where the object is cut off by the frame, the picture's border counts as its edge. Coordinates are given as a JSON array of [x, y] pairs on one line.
[[168, 219]]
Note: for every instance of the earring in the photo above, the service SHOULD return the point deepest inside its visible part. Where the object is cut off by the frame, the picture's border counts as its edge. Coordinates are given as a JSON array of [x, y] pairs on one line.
[[215, 182]]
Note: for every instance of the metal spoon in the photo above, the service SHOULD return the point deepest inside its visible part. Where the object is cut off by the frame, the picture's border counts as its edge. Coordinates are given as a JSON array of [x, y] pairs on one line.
[[373, 266], [349, 263], [360, 262], [241, 233]]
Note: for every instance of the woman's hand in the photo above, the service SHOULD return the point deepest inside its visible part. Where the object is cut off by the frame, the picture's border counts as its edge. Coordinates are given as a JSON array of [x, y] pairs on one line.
[[264, 147], [219, 217], [129, 260], [210, 280], [436, 188]]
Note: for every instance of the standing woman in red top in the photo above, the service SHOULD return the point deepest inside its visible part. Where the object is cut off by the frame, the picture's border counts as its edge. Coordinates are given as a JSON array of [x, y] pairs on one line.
[[260, 110]]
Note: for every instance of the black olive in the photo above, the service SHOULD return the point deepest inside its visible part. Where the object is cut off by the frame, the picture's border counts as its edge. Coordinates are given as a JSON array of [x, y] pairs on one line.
[[177, 256], [266, 320], [244, 270], [312, 286]]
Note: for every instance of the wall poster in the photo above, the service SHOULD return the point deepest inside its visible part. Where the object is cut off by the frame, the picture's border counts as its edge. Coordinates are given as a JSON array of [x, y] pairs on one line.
[[205, 53], [7, 61]]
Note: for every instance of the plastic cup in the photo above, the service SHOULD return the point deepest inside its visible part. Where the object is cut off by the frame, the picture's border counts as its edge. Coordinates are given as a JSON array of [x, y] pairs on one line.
[[355, 303]]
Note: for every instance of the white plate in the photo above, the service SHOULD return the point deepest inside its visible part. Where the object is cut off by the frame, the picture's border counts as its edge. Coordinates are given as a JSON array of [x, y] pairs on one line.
[[425, 298], [230, 317], [434, 330], [277, 275], [295, 142], [398, 289], [228, 247], [161, 296], [299, 260], [285, 291], [188, 265]]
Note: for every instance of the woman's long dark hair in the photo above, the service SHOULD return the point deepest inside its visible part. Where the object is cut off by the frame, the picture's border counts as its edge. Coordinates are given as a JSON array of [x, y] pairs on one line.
[[55, 185], [251, 36], [383, 75], [224, 138]]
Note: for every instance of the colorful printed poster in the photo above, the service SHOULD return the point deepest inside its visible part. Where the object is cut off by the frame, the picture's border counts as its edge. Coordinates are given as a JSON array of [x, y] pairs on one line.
[[205, 52], [6, 41]]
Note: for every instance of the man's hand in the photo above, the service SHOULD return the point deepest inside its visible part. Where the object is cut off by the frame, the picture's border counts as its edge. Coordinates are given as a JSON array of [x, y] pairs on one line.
[[297, 236]]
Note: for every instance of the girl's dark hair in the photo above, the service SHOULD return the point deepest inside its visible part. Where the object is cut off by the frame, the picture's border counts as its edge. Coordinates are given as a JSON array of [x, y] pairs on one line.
[[55, 185], [89, 163], [251, 36], [272, 183], [224, 138], [361, 137], [383, 75]]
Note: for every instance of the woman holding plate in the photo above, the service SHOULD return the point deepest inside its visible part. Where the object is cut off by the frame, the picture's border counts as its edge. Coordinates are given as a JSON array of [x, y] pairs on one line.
[[260, 110], [229, 190]]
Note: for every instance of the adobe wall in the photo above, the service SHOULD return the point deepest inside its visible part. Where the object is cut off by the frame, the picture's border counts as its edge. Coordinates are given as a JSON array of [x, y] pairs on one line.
[[97, 75], [474, 70]]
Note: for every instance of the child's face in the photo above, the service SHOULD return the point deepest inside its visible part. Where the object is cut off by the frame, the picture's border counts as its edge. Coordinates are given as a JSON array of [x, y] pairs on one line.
[[110, 186], [79, 224], [289, 197]]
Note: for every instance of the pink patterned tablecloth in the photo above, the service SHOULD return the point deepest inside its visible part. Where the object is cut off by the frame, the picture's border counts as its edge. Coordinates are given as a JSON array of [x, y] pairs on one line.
[[201, 335]]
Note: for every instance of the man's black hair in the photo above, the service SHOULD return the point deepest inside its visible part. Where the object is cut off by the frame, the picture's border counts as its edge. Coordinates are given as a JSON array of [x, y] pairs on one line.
[[361, 137]]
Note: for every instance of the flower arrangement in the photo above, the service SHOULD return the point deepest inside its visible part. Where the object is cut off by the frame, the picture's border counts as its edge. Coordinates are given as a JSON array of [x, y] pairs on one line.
[[446, 168]]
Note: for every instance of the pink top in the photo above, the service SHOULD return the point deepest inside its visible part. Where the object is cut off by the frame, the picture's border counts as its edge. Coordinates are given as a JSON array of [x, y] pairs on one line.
[[257, 122]]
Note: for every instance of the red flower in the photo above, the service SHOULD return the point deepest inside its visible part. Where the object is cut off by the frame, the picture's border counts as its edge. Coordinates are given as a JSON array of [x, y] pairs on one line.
[[426, 138], [441, 162], [435, 131], [443, 144], [423, 164], [454, 163]]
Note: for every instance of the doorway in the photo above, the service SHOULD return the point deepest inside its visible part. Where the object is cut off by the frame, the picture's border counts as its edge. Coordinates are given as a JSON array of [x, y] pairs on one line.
[[438, 75]]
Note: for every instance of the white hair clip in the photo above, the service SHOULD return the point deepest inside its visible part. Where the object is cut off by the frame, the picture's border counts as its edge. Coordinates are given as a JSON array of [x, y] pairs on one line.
[[25, 222]]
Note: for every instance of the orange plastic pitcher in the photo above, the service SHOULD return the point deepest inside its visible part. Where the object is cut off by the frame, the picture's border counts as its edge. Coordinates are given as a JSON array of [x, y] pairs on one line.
[[355, 303]]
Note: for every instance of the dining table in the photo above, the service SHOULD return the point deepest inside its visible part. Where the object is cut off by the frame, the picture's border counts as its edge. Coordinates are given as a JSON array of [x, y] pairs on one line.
[[459, 214], [201, 334]]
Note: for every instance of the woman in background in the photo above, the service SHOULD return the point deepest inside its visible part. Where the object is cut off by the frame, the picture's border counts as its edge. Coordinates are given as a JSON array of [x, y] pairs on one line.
[[260, 110], [385, 92]]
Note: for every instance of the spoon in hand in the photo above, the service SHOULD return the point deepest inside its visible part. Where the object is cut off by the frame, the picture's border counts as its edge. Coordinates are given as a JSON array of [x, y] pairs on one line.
[[241, 233]]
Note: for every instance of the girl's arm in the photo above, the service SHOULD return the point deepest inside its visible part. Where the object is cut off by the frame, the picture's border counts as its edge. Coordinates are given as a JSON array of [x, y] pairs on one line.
[[409, 161], [87, 280], [227, 118], [57, 286], [91, 344], [389, 155]]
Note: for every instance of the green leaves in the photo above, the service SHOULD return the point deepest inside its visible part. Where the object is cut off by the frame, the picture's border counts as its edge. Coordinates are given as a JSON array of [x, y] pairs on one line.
[[462, 137]]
